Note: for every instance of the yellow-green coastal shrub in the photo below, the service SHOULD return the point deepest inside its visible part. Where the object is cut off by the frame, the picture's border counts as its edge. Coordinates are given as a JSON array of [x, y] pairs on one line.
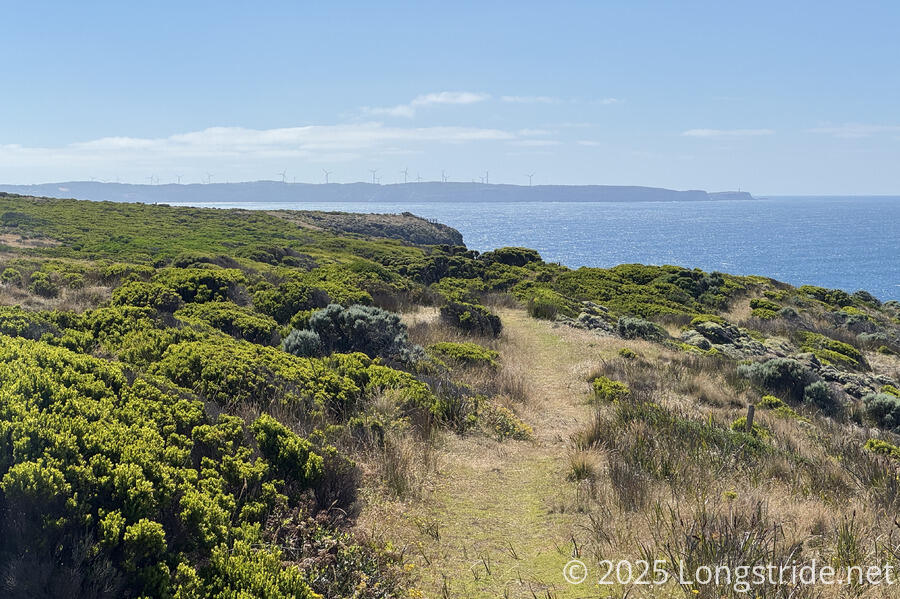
[[502, 423], [237, 321], [138, 471], [466, 353], [145, 294], [770, 402], [548, 304], [890, 389], [201, 284], [740, 426], [883, 448], [832, 351], [608, 390]]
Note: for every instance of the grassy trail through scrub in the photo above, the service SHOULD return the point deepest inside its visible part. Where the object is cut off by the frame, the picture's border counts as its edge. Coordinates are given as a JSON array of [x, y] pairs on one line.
[[497, 519]]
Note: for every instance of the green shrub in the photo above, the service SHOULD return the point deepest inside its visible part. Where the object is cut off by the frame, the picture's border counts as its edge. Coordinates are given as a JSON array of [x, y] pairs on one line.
[[300, 320], [764, 313], [201, 284], [866, 298], [502, 423], [302, 343], [242, 572], [818, 394], [137, 468], [884, 448], [289, 298], [648, 291], [548, 305], [780, 375], [148, 295], [73, 280], [467, 353], [832, 351], [608, 390], [374, 378], [512, 256], [770, 402], [43, 284], [472, 318], [237, 321], [834, 297], [707, 318], [291, 456], [740, 426], [125, 272], [366, 329], [627, 353], [883, 409], [759, 303], [16, 322], [637, 328], [231, 372], [11, 276], [890, 389]]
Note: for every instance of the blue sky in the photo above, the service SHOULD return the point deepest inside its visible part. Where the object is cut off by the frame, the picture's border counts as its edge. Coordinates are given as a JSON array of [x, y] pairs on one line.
[[770, 97]]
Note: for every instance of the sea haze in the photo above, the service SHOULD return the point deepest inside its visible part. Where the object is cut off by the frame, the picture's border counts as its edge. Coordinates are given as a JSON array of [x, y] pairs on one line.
[[842, 242]]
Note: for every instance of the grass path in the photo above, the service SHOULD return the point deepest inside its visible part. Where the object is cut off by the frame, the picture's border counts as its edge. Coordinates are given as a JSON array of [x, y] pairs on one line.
[[498, 518]]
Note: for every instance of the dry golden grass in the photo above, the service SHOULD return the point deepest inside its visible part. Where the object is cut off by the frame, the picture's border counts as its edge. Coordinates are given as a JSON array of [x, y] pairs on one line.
[[76, 300], [18, 241]]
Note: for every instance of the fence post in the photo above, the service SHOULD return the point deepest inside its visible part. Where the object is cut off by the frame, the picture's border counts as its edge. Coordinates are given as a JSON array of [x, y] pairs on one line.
[[751, 410]]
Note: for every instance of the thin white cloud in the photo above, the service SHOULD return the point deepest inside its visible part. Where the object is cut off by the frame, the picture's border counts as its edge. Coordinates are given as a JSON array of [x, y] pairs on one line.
[[609, 101], [530, 99], [409, 110], [856, 130], [400, 110], [534, 143], [534, 132], [217, 143], [728, 132], [450, 98]]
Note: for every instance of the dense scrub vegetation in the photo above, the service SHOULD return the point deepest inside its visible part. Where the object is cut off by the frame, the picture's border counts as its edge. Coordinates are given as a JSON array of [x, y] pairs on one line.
[[187, 393]]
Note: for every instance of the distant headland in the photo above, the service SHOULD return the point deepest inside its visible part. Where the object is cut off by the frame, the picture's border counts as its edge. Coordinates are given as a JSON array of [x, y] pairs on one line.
[[273, 191]]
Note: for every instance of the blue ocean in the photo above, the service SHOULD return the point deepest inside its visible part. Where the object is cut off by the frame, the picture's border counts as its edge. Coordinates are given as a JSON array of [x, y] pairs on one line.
[[848, 243]]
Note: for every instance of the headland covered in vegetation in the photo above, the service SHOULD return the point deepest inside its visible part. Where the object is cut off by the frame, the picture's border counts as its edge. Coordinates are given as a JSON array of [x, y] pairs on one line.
[[235, 404]]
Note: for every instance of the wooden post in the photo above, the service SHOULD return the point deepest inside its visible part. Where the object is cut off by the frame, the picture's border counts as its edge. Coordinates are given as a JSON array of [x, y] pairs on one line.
[[751, 410]]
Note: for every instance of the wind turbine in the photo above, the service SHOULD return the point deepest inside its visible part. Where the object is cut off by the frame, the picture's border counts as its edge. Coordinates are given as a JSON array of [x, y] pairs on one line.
[[209, 177], [373, 171], [487, 178], [443, 176], [283, 175], [178, 178], [405, 173], [326, 175], [529, 175], [418, 178]]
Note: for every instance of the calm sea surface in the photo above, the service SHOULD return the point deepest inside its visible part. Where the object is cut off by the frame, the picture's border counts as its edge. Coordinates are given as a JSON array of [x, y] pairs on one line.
[[844, 242]]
